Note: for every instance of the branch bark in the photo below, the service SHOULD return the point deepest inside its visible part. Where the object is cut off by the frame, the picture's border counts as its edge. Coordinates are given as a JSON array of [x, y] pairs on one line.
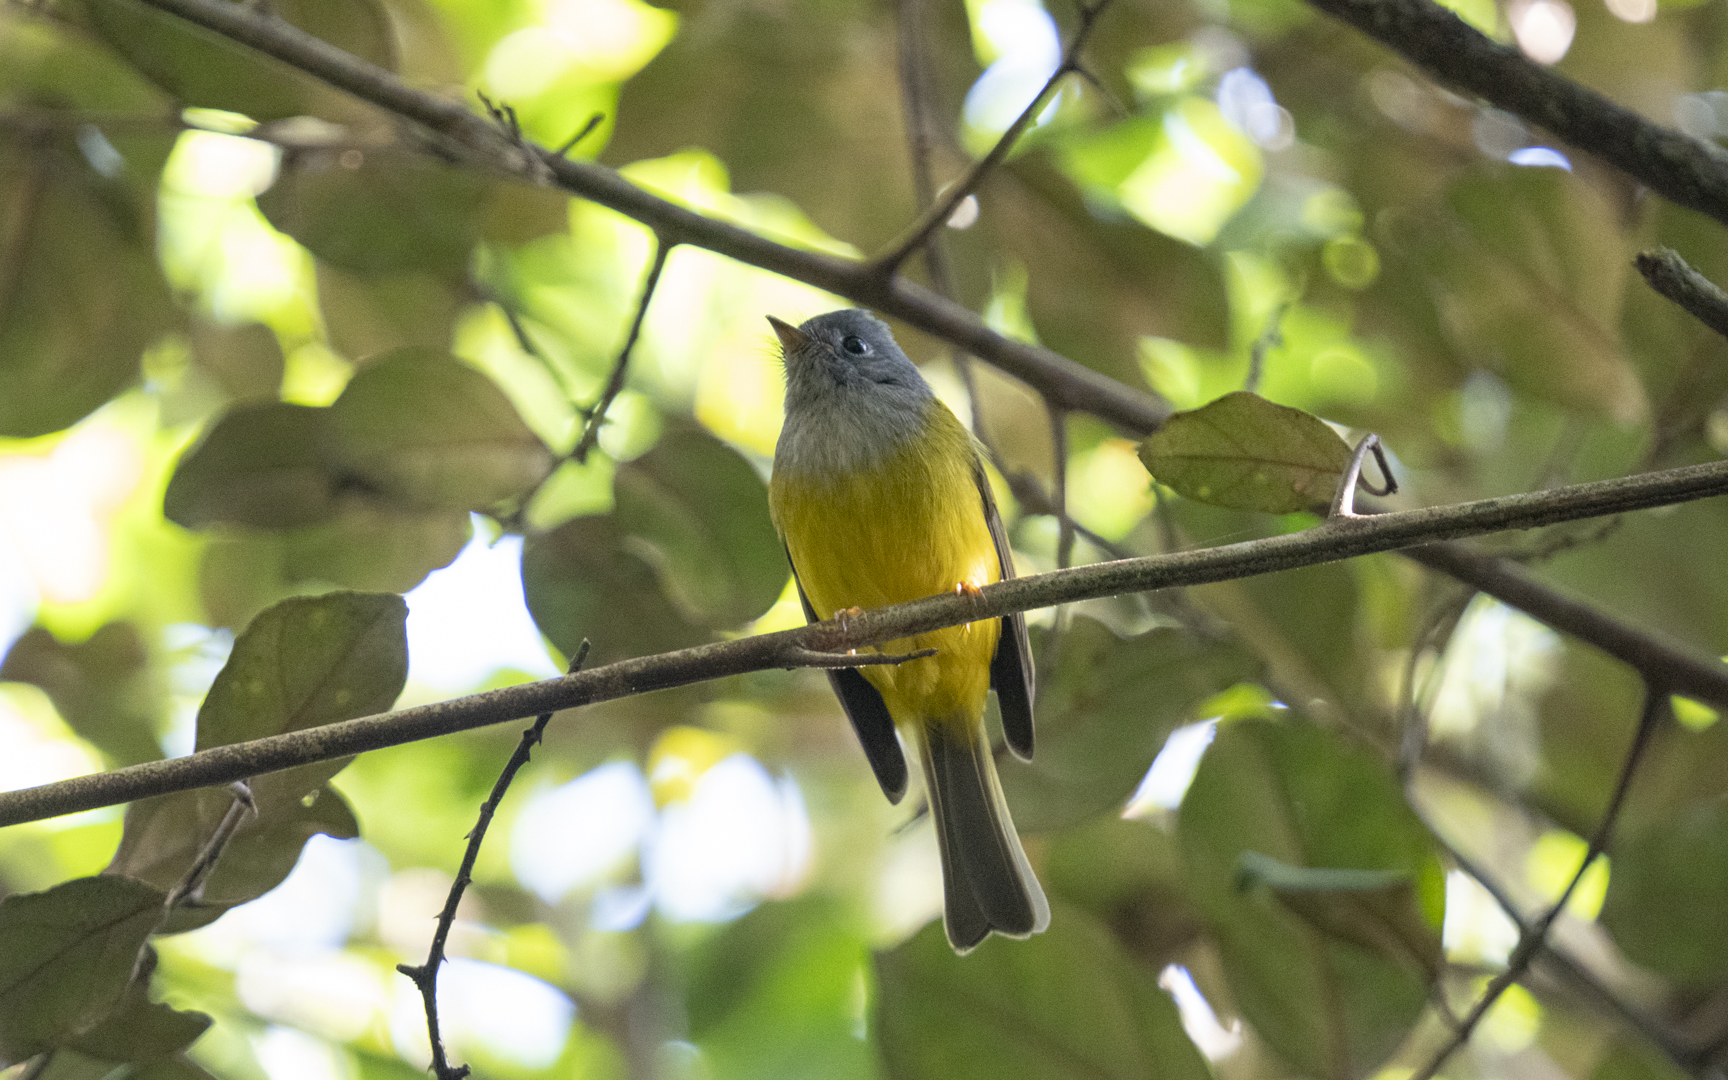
[[1678, 167], [1679, 669]]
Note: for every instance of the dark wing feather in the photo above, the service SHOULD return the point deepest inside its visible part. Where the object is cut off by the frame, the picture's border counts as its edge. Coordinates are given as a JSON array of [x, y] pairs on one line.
[[868, 713], [1011, 668]]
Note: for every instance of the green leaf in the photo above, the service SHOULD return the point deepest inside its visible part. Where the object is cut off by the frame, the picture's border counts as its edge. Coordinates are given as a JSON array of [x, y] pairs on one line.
[[777, 990], [165, 834], [1127, 873], [379, 212], [366, 547], [1531, 267], [582, 581], [1374, 909], [309, 660], [423, 431], [1667, 893], [696, 511], [138, 1029], [65, 957], [102, 687], [1103, 714], [1063, 1003], [202, 68], [266, 465], [371, 315], [1246, 453], [1297, 794], [246, 361], [80, 292]]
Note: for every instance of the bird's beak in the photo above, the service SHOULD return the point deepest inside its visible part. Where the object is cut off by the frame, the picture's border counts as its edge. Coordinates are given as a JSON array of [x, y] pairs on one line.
[[791, 338]]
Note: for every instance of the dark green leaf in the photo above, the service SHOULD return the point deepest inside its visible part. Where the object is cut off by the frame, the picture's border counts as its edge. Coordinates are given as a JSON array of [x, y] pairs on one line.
[[1375, 909], [777, 990], [1129, 875], [372, 315], [582, 581], [165, 834], [1667, 893], [246, 361], [1246, 453], [380, 212], [1064, 1003], [427, 432], [138, 1029], [1103, 714], [307, 661], [266, 465], [65, 957], [1296, 793], [80, 292], [103, 687], [698, 513]]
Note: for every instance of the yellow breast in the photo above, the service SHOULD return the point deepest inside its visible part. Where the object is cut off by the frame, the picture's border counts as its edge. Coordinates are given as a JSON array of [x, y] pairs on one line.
[[911, 526]]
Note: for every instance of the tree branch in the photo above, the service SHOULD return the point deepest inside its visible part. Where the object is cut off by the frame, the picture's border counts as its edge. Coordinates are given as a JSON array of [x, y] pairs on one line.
[[472, 137], [1674, 278], [1675, 667], [615, 383], [1682, 169]]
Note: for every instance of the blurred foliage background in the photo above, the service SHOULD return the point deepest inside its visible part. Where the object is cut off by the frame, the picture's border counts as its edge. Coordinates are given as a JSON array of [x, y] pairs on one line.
[[256, 343]]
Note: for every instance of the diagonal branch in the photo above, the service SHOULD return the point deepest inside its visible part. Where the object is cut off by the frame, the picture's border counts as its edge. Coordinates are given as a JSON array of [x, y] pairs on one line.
[[888, 263], [1675, 667], [472, 138], [615, 383], [1535, 937], [1682, 169]]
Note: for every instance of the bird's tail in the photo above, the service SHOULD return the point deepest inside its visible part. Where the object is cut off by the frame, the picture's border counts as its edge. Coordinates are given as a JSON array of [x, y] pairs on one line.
[[987, 882]]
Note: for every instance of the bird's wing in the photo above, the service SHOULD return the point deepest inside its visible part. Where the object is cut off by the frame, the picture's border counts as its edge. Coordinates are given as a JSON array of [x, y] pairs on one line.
[[868, 713], [1011, 668]]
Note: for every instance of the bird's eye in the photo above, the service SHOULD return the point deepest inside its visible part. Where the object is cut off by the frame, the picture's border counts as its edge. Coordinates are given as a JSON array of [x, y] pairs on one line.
[[855, 345]]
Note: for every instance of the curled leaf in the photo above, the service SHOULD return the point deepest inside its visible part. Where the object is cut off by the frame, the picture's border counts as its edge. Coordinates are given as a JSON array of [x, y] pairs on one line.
[[1246, 453]]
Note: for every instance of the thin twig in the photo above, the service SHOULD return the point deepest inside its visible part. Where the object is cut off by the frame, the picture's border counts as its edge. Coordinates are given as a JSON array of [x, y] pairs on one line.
[[425, 976], [582, 133], [1674, 278], [888, 263], [615, 382], [1535, 937], [1682, 669]]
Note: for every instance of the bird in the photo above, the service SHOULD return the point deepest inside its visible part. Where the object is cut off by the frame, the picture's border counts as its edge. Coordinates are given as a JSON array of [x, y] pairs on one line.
[[879, 495]]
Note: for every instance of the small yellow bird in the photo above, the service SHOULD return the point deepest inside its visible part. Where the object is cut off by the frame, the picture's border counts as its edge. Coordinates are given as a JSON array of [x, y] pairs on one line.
[[880, 497]]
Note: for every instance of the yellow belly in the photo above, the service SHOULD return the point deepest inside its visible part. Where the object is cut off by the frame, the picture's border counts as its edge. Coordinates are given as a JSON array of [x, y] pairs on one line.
[[912, 526]]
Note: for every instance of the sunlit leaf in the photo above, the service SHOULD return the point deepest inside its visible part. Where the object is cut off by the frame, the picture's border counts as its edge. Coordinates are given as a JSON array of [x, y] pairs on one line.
[[65, 957], [1103, 713], [698, 513], [1064, 1003], [427, 432], [1247, 453], [1297, 794]]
